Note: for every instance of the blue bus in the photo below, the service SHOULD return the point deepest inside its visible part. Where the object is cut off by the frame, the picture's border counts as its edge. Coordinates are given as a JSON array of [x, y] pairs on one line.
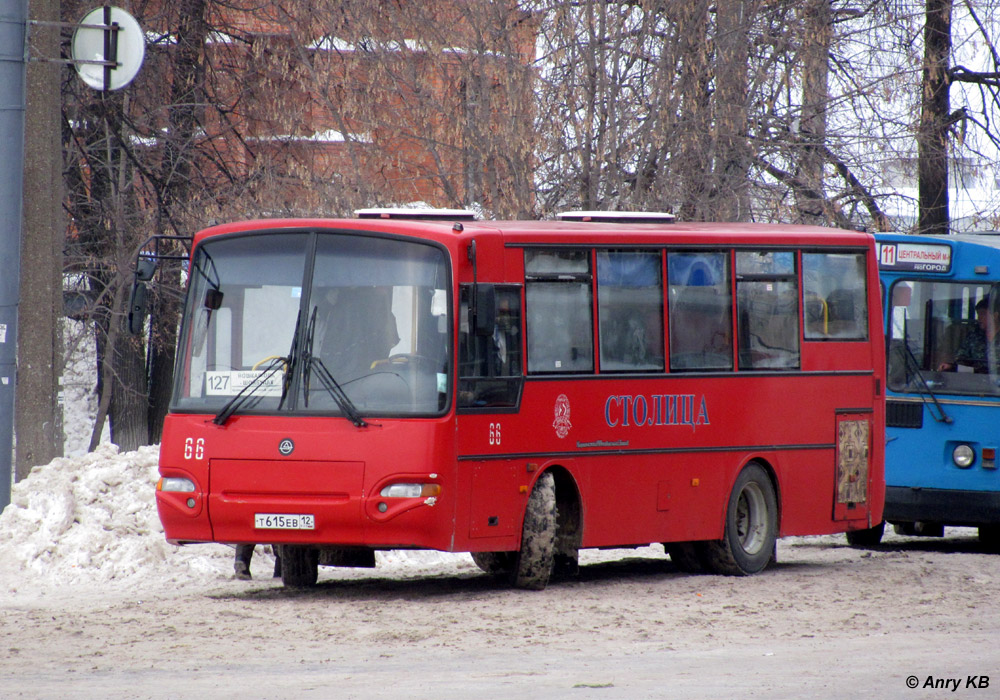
[[941, 300]]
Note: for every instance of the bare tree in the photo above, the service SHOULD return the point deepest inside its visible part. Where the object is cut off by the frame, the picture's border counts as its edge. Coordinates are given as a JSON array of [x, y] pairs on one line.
[[742, 109], [935, 120], [943, 130], [250, 109]]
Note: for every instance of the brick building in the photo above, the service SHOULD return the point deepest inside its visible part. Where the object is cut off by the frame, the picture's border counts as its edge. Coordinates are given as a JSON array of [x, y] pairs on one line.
[[325, 106]]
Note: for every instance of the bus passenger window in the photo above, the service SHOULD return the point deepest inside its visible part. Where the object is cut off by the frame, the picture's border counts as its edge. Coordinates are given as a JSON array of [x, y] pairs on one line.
[[834, 295], [767, 310], [558, 308], [700, 311], [489, 366], [630, 310]]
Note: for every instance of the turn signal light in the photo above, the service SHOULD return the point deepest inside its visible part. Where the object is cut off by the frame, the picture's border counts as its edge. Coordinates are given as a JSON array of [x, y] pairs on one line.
[[173, 483], [410, 491], [989, 458]]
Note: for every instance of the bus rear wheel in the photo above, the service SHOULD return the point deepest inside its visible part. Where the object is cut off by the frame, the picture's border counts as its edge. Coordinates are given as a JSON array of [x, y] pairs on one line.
[[688, 557], [869, 537], [989, 536], [299, 566], [495, 563], [536, 558], [747, 543]]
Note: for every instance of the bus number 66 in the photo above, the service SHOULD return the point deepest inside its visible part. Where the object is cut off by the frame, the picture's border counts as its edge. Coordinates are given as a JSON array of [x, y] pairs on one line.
[[494, 433], [194, 448]]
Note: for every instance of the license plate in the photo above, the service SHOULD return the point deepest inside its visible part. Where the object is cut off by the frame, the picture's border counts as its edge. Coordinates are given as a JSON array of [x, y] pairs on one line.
[[284, 521]]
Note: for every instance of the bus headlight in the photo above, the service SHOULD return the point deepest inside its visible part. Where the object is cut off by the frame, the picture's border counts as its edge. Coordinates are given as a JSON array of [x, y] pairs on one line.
[[173, 483], [963, 456], [410, 491]]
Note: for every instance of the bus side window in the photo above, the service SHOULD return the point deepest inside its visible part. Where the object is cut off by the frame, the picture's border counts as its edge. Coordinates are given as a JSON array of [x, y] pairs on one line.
[[834, 295], [767, 302], [489, 366], [559, 311], [700, 311], [630, 310]]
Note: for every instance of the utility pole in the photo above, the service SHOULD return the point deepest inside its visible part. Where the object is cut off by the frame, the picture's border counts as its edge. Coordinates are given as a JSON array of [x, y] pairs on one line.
[[38, 415], [116, 39], [13, 23]]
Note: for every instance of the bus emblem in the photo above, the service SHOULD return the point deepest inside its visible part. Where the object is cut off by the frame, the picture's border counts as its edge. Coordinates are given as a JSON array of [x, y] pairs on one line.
[[561, 423], [286, 446]]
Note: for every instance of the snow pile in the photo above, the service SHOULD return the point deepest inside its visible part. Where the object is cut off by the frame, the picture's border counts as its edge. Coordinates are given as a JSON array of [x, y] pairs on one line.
[[78, 388], [92, 520]]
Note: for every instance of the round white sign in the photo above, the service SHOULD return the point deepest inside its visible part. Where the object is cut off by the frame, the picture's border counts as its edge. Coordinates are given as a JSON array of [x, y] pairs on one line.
[[88, 45]]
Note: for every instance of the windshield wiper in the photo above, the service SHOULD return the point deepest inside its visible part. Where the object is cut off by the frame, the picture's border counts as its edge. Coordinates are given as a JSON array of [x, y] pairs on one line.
[[911, 361], [332, 386], [249, 392]]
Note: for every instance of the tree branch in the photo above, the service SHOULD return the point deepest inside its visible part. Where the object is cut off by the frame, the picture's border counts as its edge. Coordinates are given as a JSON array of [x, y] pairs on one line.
[[961, 74]]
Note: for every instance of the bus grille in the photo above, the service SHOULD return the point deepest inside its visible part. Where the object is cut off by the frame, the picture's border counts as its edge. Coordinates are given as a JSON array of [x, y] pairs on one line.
[[904, 414]]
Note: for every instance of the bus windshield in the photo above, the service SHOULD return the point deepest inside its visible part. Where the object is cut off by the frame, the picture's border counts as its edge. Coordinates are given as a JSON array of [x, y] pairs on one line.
[[319, 322], [944, 337]]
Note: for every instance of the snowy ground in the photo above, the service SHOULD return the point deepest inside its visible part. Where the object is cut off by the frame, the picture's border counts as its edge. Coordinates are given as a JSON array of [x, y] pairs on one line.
[[94, 603]]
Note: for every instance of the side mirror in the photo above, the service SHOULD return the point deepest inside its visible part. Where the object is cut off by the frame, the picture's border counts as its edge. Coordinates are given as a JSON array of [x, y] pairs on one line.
[[213, 299], [137, 308], [145, 268], [485, 308]]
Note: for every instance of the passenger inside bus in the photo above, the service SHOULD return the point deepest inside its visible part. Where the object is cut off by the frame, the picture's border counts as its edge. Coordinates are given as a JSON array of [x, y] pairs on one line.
[[700, 330], [972, 350], [356, 329], [845, 313]]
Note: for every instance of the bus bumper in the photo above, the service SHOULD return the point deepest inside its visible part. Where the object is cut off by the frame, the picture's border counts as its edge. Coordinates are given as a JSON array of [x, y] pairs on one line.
[[904, 504]]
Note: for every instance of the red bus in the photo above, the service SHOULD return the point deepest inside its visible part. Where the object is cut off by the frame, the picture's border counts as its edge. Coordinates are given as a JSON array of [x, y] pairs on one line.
[[524, 389]]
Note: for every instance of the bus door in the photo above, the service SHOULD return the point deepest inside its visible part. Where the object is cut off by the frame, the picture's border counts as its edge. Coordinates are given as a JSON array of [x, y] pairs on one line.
[[490, 383]]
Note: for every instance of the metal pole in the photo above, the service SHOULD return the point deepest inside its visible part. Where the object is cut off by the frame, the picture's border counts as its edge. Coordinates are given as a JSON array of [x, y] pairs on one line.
[[13, 22]]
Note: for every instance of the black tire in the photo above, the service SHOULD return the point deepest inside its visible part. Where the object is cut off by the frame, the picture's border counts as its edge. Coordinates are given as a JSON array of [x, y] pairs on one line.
[[748, 541], [299, 566], [688, 557], [495, 563], [869, 537], [989, 536], [536, 558]]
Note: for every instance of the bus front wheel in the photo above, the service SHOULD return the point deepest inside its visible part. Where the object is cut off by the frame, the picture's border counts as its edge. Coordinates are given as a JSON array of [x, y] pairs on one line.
[[299, 566], [747, 543], [536, 558]]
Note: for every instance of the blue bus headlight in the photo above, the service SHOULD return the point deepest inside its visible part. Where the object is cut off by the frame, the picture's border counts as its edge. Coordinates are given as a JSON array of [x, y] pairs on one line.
[[963, 456]]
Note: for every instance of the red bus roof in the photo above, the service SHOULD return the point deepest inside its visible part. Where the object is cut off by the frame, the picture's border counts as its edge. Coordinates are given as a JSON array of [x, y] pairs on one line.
[[569, 232]]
